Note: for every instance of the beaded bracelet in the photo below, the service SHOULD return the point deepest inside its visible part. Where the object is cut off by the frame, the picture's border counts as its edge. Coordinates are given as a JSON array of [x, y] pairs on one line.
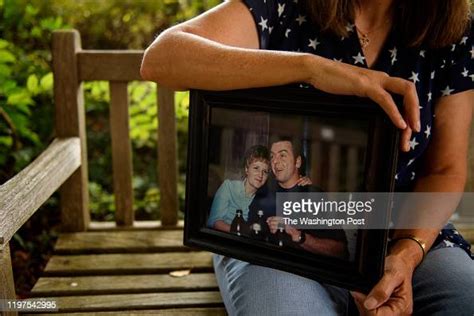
[[420, 243]]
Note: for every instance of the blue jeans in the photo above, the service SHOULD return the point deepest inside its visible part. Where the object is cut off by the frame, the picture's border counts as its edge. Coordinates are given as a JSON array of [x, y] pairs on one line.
[[443, 284]]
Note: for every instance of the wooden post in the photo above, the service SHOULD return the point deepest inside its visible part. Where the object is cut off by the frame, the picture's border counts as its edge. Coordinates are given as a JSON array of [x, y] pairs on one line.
[[70, 122], [7, 286], [167, 164], [121, 154]]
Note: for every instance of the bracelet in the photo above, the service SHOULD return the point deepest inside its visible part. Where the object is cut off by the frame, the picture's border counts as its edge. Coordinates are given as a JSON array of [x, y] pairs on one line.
[[420, 243]]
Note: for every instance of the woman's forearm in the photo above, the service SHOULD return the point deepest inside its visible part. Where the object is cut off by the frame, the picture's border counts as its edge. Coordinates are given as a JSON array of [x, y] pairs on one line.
[[183, 60], [444, 183]]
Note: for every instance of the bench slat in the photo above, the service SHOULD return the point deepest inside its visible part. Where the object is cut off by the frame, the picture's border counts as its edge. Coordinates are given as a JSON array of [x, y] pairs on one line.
[[123, 302], [103, 65], [121, 153], [23, 194], [209, 311], [115, 264], [96, 285], [121, 241]]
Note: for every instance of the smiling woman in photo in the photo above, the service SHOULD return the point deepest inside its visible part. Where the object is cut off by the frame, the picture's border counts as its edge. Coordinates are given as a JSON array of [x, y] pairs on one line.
[[235, 195]]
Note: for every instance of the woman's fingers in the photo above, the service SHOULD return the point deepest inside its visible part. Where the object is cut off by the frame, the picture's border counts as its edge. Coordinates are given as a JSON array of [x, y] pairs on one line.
[[381, 291], [359, 299], [411, 104], [385, 100], [405, 139]]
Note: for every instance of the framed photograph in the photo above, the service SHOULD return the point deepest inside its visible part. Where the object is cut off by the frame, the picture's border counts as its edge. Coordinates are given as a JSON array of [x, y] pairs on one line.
[[249, 149]]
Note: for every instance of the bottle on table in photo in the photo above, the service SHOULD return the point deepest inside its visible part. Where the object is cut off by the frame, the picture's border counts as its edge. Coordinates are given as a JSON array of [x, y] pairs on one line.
[[238, 225], [259, 229], [280, 235]]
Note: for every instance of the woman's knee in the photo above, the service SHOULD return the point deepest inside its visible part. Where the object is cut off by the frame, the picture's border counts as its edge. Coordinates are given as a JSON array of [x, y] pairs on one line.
[[251, 289], [443, 283]]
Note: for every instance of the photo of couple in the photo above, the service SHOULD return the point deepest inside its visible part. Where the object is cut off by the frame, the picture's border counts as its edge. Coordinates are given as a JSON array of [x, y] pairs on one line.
[[244, 203]]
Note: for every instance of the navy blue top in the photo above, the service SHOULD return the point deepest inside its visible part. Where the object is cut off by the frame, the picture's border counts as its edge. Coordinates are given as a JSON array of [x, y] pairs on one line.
[[285, 25]]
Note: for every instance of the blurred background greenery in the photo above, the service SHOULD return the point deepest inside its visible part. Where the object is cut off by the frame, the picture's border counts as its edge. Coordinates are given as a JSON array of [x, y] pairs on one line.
[[27, 108]]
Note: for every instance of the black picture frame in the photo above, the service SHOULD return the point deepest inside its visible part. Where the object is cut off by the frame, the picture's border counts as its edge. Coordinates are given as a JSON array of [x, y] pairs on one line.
[[380, 165]]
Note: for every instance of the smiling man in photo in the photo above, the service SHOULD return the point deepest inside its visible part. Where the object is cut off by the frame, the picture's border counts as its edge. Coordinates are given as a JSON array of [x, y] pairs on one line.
[[286, 163]]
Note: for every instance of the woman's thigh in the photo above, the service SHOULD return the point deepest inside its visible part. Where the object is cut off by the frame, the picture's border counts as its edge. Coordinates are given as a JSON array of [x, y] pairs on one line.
[[249, 289], [443, 284]]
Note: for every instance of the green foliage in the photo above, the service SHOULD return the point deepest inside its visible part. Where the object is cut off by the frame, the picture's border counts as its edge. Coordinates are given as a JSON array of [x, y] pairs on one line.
[[26, 84]]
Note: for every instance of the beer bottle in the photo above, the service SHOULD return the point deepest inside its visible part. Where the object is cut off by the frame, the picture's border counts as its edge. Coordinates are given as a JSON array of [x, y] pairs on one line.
[[238, 224], [259, 229], [280, 235]]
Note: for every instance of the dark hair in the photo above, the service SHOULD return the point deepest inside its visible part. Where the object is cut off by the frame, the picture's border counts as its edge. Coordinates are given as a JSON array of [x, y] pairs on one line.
[[296, 145], [257, 152], [434, 24], [297, 149]]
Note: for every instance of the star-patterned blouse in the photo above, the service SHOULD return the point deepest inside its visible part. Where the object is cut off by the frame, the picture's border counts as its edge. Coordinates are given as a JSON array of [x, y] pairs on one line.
[[285, 25]]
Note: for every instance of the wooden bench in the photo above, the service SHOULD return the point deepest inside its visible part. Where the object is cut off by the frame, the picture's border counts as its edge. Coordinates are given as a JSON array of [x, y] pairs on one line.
[[126, 266]]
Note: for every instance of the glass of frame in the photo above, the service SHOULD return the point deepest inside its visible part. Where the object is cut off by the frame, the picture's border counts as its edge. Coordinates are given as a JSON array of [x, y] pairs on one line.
[[248, 146]]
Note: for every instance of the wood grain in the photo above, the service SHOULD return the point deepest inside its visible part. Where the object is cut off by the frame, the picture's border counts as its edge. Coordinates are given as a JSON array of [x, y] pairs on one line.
[[100, 285], [7, 286], [70, 122], [121, 241], [199, 311], [23, 194], [121, 302], [167, 166], [121, 154], [116, 264], [137, 225], [112, 65]]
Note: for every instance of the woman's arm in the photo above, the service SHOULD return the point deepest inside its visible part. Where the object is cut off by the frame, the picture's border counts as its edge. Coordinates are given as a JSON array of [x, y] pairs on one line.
[[220, 205], [218, 50], [445, 171]]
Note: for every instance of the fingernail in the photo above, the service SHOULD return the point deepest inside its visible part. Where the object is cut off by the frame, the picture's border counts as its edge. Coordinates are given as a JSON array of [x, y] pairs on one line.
[[418, 126], [370, 303], [403, 124]]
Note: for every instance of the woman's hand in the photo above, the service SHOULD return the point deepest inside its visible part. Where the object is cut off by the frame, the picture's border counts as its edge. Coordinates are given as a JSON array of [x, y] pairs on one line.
[[392, 295], [304, 181], [340, 78]]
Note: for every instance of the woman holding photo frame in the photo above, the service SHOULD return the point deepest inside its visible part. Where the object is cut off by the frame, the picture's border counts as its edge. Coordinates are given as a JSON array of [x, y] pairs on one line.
[[421, 50]]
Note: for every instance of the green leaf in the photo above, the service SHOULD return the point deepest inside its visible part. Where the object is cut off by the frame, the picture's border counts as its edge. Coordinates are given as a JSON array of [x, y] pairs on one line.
[[46, 82], [31, 10], [3, 43], [5, 71], [36, 32], [6, 57], [7, 87], [23, 108], [6, 141], [19, 98], [32, 84]]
